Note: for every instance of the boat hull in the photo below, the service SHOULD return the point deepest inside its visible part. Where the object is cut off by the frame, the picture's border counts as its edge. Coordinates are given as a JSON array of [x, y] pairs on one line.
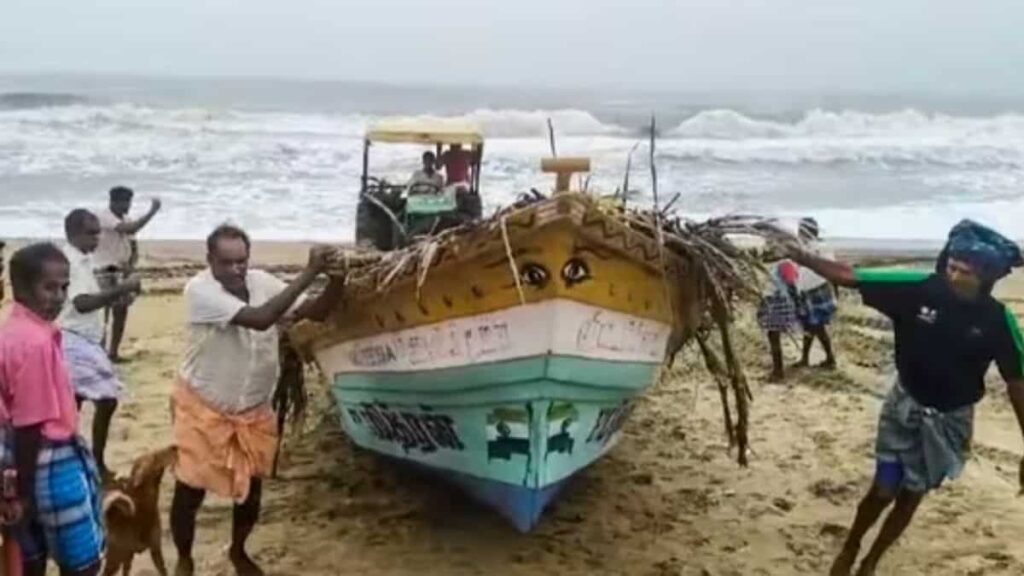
[[508, 404], [507, 356]]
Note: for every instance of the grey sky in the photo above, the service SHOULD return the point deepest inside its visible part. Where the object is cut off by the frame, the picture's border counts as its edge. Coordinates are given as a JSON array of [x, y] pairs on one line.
[[864, 45]]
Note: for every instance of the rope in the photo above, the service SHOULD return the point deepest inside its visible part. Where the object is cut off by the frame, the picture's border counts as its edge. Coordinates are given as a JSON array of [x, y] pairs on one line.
[[512, 261], [425, 264], [659, 233], [391, 215]]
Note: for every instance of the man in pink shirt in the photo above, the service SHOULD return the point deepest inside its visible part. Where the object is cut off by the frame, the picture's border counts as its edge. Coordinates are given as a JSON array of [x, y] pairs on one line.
[[57, 486], [457, 162]]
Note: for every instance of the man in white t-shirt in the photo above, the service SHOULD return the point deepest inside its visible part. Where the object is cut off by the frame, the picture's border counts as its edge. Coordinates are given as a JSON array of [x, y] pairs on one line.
[[816, 303], [427, 180], [224, 425], [91, 372], [116, 255]]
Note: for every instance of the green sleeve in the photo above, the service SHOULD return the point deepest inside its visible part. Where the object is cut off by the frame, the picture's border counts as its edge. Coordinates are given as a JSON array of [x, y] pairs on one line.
[[890, 275], [1010, 355], [892, 291]]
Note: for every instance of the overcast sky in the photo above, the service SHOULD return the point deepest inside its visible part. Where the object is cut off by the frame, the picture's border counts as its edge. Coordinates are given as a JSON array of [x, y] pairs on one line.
[[872, 45]]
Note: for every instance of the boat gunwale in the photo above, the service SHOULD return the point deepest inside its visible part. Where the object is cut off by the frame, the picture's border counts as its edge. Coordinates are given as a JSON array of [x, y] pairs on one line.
[[579, 211], [576, 209]]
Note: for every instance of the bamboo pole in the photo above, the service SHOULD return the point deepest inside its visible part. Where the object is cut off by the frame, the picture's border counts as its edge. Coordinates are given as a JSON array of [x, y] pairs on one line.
[[551, 138], [625, 178]]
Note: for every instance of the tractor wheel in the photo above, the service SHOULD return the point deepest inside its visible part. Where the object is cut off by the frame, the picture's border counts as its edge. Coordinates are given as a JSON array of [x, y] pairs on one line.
[[374, 227]]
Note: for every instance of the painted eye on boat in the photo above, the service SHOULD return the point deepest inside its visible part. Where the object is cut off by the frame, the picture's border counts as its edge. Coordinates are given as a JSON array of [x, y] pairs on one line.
[[534, 275], [575, 271]]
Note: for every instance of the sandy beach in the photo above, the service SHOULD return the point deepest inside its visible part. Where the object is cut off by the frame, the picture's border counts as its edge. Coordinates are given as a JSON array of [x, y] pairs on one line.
[[885, 123], [669, 499]]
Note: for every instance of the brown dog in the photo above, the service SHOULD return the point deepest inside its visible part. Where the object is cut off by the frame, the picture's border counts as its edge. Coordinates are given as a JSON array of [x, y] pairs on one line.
[[132, 516]]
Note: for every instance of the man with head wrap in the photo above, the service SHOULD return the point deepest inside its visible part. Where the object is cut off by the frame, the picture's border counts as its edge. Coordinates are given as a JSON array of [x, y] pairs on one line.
[[948, 331], [816, 303]]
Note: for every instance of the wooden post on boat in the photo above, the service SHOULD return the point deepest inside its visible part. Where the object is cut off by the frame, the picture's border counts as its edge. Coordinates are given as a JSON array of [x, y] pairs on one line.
[[551, 139], [564, 168], [366, 166]]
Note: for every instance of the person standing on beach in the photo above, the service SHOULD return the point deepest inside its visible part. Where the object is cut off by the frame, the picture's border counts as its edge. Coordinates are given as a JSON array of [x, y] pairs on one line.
[[56, 511], [816, 303], [116, 256], [457, 162], [223, 423], [777, 313], [92, 374], [948, 331]]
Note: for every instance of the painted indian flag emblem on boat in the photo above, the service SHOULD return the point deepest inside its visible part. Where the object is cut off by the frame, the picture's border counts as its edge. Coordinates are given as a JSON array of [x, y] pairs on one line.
[[562, 421], [508, 433]]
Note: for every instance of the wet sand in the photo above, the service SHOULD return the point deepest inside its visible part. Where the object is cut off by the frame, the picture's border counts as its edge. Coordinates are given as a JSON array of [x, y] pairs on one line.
[[669, 499]]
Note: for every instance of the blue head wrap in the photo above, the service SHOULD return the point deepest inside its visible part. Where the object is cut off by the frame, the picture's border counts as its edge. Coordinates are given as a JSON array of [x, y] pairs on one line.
[[991, 253]]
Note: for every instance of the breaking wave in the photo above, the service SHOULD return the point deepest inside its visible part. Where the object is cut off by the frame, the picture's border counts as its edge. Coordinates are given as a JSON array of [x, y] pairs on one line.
[[908, 137], [29, 100], [906, 124], [907, 173], [495, 123]]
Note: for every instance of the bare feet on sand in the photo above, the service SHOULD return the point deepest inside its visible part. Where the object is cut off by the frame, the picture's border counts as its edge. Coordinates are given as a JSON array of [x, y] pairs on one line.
[[185, 567], [843, 564], [244, 565], [107, 476], [866, 568]]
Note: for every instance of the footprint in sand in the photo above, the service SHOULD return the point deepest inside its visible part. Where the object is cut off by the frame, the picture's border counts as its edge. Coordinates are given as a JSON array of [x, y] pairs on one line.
[[836, 493]]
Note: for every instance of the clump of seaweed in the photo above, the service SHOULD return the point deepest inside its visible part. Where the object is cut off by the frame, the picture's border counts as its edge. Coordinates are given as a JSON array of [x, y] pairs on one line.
[[726, 276]]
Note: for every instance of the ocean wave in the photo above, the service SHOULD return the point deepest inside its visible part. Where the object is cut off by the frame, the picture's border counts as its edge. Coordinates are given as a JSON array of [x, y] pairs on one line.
[[880, 154], [30, 100], [130, 117], [907, 124], [534, 123], [892, 140], [819, 127], [95, 140], [180, 121]]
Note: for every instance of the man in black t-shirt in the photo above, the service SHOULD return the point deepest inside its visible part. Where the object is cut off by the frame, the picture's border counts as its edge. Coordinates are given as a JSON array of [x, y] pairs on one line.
[[948, 331]]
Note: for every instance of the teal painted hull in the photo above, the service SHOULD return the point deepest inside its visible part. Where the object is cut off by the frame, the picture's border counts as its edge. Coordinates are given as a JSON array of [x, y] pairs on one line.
[[527, 424]]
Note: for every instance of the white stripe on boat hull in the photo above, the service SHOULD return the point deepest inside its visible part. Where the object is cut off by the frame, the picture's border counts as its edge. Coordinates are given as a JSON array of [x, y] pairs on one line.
[[563, 327]]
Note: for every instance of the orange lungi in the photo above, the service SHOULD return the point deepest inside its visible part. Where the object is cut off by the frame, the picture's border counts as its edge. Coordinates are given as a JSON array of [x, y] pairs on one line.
[[221, 452]]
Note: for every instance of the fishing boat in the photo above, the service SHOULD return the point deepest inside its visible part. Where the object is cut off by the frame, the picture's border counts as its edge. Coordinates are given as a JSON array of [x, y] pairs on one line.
[[506, 355]]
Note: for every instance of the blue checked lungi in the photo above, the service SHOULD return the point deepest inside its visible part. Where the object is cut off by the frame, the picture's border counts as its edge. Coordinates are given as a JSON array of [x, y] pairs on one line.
[[68, 526], [817, 306], [777, 313]]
